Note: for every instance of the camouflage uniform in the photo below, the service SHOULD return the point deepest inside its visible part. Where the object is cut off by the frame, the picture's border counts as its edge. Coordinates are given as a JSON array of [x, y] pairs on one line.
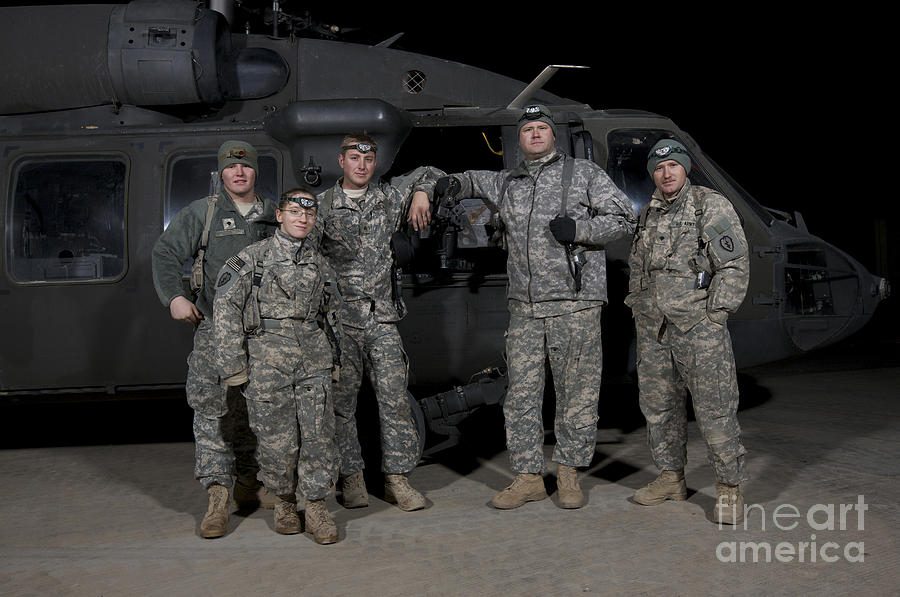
[[682, 339], [356, 239], [548, 318], [225, 445], [287, 355]]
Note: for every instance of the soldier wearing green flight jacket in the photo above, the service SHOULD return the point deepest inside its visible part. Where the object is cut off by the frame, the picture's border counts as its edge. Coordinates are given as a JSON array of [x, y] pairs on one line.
[[237, 216]]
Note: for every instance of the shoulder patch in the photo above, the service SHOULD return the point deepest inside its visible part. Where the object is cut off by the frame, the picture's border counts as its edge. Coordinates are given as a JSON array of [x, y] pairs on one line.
[[727, 243], [223, 279]]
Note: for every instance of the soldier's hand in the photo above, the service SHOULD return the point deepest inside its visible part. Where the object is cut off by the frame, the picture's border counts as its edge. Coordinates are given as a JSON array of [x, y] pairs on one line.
[[182, 309], [563, 229], [420, 211]]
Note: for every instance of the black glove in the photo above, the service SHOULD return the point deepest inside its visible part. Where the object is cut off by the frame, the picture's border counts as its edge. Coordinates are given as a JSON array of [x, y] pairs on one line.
[[563, 229], [446, 186]]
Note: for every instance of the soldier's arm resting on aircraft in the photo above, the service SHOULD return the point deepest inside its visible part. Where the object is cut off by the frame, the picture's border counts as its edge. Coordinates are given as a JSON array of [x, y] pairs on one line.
[[485, 184], [726, 248], [232, 289], [416, 189], [609, 211], [177, 243]]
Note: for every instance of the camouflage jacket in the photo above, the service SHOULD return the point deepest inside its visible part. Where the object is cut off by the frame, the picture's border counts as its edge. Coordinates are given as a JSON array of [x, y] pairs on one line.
[[229, 233], [540, 282], [356, 240], [666, 258], [283, 323]]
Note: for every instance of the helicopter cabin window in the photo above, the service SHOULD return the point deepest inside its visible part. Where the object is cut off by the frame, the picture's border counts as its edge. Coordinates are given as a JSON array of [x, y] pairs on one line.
[[66, 220], [194, 176], [627, 165]]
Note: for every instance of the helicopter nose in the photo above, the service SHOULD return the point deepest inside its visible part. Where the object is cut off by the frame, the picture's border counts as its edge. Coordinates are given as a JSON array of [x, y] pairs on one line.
[[828, 295]]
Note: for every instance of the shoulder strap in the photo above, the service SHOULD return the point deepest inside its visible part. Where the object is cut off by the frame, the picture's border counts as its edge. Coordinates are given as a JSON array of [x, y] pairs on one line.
[[211, 207], [196, 279], [568, 168]]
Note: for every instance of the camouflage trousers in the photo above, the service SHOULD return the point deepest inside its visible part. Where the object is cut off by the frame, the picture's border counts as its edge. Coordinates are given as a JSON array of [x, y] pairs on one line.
[[572, 344], [378, 350], [701, 360], [292, 416], [224, 444]]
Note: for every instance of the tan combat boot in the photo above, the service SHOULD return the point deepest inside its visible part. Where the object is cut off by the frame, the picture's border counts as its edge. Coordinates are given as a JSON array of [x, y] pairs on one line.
[[215, 523], [286, 520], [320, 523], [250, 494], [526, 487], [354, 489], [568, 490], [397, 490], [669, 485], [729, 504]]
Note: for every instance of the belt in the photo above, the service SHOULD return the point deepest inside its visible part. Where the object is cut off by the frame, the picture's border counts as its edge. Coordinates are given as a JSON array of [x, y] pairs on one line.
[[287, 324]]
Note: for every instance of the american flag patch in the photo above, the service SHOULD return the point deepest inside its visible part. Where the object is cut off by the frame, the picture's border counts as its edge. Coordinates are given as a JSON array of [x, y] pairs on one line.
[[235, 263]]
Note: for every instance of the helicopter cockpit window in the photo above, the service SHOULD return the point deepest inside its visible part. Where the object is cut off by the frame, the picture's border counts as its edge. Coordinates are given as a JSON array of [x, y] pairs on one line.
[[66, 220], [191, 177], [627, 165]]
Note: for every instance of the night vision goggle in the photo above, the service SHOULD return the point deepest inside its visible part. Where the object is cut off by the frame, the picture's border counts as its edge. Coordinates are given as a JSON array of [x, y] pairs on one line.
[[360, 147], [534, 113], [665, 150], [235, 153], [302, 201]]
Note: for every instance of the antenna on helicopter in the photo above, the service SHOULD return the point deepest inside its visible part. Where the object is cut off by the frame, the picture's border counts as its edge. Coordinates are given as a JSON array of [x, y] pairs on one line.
[[537, 84]]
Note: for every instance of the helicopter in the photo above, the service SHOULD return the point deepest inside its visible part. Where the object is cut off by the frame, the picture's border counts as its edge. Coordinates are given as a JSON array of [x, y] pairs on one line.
[[109, 126]]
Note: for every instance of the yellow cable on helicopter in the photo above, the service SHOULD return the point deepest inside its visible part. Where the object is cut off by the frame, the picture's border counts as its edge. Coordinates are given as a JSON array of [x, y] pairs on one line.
[[493, 151]]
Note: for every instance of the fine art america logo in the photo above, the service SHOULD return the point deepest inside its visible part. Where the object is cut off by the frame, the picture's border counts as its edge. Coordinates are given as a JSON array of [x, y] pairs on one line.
[[818, 518]]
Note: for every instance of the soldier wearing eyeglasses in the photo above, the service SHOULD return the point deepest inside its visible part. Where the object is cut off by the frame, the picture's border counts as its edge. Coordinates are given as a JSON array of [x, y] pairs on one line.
[[557, 213], [689, 271], [275, 331], [359, 216]]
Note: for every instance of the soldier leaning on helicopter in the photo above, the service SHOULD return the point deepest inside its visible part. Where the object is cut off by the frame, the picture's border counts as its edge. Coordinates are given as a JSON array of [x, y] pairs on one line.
[[271, 316], [557, 213], [356, 223], [689, 270], [234, 219]]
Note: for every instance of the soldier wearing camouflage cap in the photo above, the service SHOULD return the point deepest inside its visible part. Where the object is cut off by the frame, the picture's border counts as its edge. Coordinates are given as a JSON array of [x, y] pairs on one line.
[[689, 271], [358, 217], [274, 302], [228, 221], [557, 213]]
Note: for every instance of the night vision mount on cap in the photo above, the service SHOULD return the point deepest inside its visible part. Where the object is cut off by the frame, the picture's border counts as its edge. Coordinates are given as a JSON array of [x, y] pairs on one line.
[[360, 147], [537, 113], [668, 149], [237, 152], [302, 201]]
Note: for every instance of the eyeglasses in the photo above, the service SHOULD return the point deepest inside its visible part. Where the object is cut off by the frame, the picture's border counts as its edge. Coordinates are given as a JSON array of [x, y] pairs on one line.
[[534, 113], [360, 147], [300, 212]]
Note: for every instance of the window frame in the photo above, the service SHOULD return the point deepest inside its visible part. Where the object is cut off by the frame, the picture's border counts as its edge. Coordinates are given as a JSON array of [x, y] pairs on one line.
[[10, 257]]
